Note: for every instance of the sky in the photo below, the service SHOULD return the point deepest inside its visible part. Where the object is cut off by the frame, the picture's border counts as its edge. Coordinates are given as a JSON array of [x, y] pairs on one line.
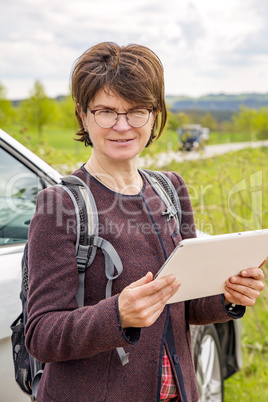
[[206, 46]]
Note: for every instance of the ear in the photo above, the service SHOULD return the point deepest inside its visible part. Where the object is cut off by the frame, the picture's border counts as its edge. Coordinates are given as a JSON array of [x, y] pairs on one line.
[[155, 114], [82, 115]]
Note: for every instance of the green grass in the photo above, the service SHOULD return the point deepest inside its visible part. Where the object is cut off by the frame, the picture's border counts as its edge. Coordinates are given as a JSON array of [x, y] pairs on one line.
[[218, 209], [167, 142], [251, 382], [62, 140], [228, 192], [56, 146], [218, 137]]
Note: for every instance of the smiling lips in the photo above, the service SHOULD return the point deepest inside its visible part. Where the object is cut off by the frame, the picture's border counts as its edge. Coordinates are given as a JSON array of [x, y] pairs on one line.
[[126, 140]]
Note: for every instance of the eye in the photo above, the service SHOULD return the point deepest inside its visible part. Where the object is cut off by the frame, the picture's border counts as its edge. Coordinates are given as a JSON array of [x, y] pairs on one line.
[[138, 112], [106, 112]]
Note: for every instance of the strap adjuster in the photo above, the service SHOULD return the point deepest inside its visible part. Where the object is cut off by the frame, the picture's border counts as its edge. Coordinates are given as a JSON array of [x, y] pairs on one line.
[[171, 212], [82, 257]]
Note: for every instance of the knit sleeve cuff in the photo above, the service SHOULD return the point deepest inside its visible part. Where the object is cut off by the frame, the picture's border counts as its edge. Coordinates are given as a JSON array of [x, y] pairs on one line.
[[234, 310], [131, 334]]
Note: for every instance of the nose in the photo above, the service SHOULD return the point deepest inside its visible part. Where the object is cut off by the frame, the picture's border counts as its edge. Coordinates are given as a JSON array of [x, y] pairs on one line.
[[122, 123]]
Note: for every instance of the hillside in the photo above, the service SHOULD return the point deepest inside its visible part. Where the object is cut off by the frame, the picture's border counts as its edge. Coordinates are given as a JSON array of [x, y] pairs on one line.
[[217, 102]]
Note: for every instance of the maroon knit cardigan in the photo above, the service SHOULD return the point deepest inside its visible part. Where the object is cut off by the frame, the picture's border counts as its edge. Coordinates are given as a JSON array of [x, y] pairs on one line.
[[79, 344]]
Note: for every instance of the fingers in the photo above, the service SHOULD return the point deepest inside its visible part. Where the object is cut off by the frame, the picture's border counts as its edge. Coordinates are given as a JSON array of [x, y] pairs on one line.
[[157, 285], [255, 273], [245, 288], [145, 279], [251, 278], [243, 296], [141, 303], [160, 291], [152, 306], [146, 286]]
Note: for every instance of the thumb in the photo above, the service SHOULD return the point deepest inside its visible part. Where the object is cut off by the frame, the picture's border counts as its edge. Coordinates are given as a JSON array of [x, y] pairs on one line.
[[142, 281]]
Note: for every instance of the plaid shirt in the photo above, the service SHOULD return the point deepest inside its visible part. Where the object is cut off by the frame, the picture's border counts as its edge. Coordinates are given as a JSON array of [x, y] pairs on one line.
[[169, 388]]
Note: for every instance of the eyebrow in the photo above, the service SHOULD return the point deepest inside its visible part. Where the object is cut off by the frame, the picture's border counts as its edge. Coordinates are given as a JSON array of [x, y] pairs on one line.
[[114, 108], [103, 107]]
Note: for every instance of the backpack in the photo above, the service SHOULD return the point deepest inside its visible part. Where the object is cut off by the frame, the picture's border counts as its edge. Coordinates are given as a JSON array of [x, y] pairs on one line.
[[28, 370]]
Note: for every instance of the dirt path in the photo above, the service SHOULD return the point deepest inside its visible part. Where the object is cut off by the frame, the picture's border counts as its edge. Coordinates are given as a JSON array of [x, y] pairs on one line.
[[210, 151]]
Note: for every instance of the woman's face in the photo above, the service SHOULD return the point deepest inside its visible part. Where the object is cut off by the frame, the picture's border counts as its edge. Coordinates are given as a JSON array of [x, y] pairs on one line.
[[120, 142]]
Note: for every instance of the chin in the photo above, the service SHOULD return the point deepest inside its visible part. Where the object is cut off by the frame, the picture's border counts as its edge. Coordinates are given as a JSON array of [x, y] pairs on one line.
[[124, 154]]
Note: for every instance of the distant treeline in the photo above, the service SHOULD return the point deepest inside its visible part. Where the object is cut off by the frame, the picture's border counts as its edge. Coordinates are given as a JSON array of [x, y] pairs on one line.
[[221, 106], [246, 113]]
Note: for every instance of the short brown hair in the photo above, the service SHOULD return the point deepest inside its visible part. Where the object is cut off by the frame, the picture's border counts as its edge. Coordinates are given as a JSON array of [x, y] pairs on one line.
[[134, 72]]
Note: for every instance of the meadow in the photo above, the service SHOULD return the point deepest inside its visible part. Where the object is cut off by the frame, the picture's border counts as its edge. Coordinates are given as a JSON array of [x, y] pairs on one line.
[[229, 194], [220, 209]]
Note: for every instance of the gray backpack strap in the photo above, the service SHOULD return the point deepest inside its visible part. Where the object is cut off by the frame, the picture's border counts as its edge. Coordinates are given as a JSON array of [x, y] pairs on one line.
[[124, 357], [35, 384], [112, 260], [81, 250], [85, 253], [76, 208], [165, 189]]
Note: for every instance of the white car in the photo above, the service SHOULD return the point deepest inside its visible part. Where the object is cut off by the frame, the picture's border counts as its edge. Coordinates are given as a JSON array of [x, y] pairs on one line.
[[217, 348]]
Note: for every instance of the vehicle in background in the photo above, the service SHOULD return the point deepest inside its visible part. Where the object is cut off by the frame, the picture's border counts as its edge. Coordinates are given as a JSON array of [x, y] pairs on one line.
[[193, 136], [216, 347]]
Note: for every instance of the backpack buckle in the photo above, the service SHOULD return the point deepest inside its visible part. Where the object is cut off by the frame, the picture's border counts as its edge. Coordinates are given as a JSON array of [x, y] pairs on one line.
[[83, 254]]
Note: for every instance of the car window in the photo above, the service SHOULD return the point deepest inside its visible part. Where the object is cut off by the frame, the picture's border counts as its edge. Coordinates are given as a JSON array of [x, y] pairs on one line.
[[18, 191]]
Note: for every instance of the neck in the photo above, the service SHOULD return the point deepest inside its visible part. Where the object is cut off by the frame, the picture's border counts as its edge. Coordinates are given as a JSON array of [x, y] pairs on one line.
[[120, 176]]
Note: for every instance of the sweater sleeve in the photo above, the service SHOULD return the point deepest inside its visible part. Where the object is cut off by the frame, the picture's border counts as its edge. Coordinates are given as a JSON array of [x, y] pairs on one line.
[[56, 329]]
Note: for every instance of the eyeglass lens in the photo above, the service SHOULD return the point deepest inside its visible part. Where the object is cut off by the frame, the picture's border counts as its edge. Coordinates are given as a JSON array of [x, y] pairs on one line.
[[136, 118]]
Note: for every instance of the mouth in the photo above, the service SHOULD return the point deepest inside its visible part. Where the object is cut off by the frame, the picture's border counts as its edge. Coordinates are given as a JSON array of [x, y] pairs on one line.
[[123, 140]]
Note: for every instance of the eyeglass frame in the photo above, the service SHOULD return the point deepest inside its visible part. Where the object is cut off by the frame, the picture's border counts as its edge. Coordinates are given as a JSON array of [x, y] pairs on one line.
[[93, 111]]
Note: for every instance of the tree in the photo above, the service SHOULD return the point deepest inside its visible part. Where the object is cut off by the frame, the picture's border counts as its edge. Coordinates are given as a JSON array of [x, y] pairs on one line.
[[176, 120], [243, 120], [182, 119], [6, 109], [67, 113], [252, 121], [209, 121], [260, 122], [38, 110]]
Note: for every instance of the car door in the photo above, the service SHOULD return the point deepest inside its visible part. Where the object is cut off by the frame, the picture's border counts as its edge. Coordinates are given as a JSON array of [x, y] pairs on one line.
[[20, 182]]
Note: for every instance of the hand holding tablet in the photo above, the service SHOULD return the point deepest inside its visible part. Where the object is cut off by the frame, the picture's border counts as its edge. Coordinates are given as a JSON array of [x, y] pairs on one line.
[[245, 288], [203, 265]]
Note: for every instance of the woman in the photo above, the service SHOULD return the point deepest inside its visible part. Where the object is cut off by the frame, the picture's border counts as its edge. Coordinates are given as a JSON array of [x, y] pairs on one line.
[[120, 107]]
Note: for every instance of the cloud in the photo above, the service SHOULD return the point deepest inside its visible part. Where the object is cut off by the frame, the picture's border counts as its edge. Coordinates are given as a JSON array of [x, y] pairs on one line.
[[204, 45], [255, 42]]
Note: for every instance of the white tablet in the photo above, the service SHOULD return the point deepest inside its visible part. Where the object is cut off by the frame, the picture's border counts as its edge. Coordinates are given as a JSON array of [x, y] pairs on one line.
[[203, 265]]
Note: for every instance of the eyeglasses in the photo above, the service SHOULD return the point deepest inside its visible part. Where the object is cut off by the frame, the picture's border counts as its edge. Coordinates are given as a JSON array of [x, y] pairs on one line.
[[107, 118]]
